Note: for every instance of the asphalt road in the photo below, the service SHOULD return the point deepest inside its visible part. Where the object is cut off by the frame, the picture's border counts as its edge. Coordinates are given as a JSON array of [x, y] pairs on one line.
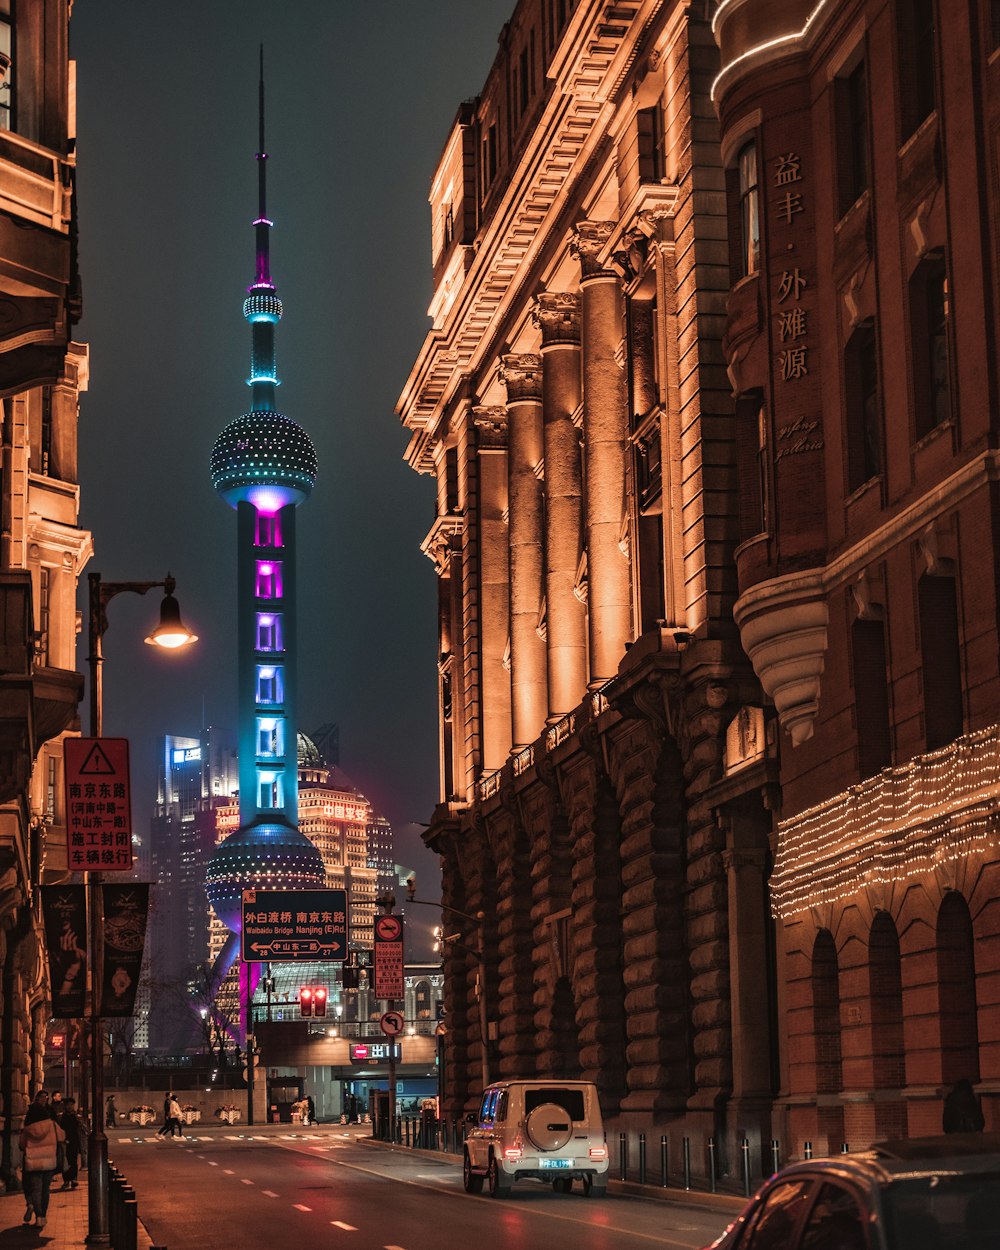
[[271, 1188]]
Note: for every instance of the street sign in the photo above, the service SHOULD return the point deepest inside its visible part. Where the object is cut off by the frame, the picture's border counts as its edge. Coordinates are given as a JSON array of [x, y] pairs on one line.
[[388, 957], [392, 1023], [98, 807], [374, 1052], [288, 926]]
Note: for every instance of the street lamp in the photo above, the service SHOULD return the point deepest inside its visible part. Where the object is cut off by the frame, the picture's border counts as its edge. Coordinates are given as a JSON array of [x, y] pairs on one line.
[[172, 635]]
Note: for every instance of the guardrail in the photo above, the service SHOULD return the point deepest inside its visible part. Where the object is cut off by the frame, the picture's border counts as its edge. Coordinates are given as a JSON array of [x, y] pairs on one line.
[[448, 1136]]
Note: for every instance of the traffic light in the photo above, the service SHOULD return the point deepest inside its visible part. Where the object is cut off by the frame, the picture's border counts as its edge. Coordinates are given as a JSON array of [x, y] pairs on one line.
[[319, 1000], [306, 1001], [350, 978]]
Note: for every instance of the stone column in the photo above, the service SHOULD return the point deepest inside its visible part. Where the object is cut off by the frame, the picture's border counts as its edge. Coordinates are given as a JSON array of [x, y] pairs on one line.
[[522, 375], [605, 434], [494, 579], [558, 315]]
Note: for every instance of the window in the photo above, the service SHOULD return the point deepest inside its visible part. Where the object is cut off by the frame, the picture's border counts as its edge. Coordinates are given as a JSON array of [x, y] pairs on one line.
[[268, 533], [51, 786], [7, 51], [993, 26], [451, 480], [44, 615], [268, 579], [957, 1007], [940, 660], [524, 83], [270, 792], [448, 224], [270, 736], [46, 428], [916, 39], [773, 1224], [488, 172], [929, 314], [752, 463], [748, 260], [835, 1222], [885, 990], [649, 126], [871, 696], [863, 418], [269, 633], [851, 111], [270, 686]]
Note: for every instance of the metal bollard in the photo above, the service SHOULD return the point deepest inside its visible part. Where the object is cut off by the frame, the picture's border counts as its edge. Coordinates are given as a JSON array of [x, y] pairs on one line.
[[642, 1158], [407, 1130], [711, 1165], [664, 1173], [745, 1153], [131, 1225], [844, 1148], [623, 1156], [807, 1149], [686, 1142], [775, 1156]]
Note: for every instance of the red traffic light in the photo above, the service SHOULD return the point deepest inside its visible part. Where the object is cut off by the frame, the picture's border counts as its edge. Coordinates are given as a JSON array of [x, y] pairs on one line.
[[319, 1000], [306, 1001]]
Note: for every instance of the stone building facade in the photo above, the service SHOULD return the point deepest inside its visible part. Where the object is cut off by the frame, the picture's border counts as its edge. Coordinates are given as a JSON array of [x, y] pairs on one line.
[[606, 768], [42, 547], [859, 140]]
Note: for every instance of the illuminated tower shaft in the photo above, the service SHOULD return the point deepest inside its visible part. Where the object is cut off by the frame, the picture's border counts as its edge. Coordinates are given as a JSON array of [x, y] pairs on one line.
[[264, 466]]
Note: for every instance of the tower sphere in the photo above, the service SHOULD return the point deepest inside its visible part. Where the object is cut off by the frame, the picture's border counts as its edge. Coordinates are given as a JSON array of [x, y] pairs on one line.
[[265, 458], [269, 855]]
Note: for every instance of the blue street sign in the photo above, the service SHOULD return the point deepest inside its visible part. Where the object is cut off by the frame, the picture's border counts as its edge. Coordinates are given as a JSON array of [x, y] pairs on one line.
[[292, 926]]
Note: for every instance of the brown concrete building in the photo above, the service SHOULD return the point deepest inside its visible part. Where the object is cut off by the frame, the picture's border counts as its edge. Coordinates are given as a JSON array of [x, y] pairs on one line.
[[572, 403], [859, 140], [42, 548]]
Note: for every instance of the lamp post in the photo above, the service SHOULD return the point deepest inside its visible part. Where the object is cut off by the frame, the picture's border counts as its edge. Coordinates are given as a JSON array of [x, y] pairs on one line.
[[170, 634]]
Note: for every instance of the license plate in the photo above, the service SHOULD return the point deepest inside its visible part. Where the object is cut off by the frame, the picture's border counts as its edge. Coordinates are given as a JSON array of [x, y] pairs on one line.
[[555, 1163]]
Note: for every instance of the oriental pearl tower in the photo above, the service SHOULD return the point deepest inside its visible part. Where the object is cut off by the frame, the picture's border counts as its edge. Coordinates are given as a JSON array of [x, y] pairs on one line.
[[263, 465]]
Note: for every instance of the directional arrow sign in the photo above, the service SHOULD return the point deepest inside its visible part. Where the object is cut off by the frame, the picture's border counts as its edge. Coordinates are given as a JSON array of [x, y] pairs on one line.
[[392, 1024], [288, 925]]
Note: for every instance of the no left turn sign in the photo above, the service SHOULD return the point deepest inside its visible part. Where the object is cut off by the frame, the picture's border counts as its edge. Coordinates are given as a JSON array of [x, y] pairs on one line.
[[392, 1024]]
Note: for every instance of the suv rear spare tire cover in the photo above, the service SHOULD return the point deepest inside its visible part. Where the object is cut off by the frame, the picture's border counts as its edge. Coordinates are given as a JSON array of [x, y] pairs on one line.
[[549, 1127]]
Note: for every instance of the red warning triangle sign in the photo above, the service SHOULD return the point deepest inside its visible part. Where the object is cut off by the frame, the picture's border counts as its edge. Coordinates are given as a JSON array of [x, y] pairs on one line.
[[96, 763]]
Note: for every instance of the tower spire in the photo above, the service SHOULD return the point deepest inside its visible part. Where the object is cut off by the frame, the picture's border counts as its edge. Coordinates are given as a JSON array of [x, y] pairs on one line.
[[263, 224]]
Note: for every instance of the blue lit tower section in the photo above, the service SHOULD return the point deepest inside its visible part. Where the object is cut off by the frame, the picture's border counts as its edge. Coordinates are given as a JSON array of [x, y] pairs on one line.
[[264, 466]]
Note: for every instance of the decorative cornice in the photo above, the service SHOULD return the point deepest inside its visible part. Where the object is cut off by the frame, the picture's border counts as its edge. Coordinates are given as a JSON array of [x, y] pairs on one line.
[[491, 427], [522, 376], [442, 540], [557, 314], [587, 244]]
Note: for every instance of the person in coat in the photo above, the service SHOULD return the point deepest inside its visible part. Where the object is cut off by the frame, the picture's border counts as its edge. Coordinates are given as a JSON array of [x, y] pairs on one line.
[[963, 1112], [40, 1140], [69, 1122], [175, 1118], [310, 1115], [110, 1112]]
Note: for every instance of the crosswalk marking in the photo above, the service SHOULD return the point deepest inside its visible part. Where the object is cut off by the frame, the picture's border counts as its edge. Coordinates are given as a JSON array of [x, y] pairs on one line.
[[244, 1181], [269, 1193], [348, 1228], [299, 1207]]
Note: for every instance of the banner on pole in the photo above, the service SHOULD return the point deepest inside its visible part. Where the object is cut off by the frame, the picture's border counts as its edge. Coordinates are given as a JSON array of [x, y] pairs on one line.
[[64, 914], [126, 905]]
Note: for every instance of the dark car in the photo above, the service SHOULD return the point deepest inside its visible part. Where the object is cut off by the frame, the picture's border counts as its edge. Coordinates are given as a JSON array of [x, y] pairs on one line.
[[924, 1193]]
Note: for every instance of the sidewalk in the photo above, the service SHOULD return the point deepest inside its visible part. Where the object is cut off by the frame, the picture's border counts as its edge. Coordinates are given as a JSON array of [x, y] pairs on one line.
[[65, 1224]]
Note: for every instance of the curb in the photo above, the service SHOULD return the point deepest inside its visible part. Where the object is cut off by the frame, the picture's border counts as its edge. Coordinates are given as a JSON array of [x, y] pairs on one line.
[[733, 1203]]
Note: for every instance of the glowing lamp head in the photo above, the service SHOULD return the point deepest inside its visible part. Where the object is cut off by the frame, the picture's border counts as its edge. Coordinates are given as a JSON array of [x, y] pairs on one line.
[[266, 459], [171, 633]]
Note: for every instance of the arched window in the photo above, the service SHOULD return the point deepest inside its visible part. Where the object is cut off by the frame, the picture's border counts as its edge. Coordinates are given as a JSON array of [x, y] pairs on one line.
[[916, 51], [956, 969], [748, 258], [826, 1014], [885, 990]]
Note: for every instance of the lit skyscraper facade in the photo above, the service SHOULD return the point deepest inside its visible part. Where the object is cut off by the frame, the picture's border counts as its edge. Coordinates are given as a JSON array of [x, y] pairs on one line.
[[264, 466]]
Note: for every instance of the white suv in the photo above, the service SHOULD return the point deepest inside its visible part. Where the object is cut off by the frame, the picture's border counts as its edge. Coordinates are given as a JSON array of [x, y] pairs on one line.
[[548, 1130]]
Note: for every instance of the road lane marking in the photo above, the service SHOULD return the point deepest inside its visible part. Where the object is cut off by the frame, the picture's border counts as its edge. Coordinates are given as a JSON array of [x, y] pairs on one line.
[[348, 1228], [229, 1171], [244, 1181], [299, 1207], [269, 1193], [212, 1163]]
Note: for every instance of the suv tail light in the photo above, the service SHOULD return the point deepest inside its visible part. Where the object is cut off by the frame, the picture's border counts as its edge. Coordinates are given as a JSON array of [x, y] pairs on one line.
[[513, 1152], [598, 1152]]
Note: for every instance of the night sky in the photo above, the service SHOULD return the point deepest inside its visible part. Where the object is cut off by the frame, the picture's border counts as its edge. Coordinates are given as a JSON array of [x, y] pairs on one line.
[[360, 99]]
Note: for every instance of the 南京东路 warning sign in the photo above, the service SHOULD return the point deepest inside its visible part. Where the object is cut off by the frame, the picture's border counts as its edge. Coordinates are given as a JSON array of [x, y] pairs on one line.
[[98, 808]]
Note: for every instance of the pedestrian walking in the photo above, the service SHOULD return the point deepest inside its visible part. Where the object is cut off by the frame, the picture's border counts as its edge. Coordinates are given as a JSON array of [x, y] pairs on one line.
[[310, 1110], [963, 1112], [40, 1141], [166, 1126], [110, 1112], [175, 1118], [69, 1122]]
